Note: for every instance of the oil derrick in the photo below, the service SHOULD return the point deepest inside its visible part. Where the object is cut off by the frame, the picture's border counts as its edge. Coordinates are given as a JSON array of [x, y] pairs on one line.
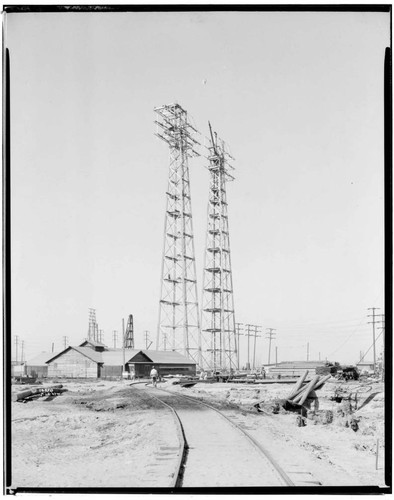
[[218, 318], [179, 322], [93, 326], [129, 335]]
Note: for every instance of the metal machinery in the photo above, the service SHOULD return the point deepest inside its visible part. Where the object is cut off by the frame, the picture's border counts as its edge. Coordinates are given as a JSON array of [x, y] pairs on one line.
[[179, 323], [218, 319]]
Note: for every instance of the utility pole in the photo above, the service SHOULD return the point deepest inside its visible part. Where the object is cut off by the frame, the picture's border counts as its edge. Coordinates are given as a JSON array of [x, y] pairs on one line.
[[270, 336], [238, 328], [146, 335], [114, 337], [248, 334], [65, 342], [257, 329], [22, 349], [16, 347], [374, 322], [276, 355], [53, 346]]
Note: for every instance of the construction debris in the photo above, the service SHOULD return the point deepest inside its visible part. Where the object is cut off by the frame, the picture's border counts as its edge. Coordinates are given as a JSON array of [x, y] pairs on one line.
[[301, 396], [39, 392]]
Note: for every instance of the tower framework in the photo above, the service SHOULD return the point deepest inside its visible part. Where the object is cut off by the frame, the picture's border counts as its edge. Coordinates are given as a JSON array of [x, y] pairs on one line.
[[129, 335], [179, 321], [218, 316], [93, 326]]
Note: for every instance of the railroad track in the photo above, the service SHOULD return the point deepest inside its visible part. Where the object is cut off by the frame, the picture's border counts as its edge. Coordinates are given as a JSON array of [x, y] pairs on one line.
[[214, 450]]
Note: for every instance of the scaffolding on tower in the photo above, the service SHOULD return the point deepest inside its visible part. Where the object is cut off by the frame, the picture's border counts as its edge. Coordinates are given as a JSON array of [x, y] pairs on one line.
[[179, 319], [219, 341]]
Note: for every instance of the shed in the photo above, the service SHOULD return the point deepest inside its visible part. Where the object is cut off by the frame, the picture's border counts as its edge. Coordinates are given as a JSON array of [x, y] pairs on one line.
[[75, 362], [365, 366], [113, 362], [170, 362], [37, 367]]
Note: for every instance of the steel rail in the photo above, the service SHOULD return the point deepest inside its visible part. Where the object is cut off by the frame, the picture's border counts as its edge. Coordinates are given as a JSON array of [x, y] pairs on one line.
[[178, 475], [258, 445]]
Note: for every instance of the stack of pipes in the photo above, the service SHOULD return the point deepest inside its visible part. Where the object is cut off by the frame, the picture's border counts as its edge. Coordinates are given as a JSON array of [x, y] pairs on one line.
[[300, 393]]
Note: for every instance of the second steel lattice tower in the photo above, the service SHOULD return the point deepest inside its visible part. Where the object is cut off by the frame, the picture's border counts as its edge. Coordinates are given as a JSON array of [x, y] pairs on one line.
[[179, 322], [218, 316]]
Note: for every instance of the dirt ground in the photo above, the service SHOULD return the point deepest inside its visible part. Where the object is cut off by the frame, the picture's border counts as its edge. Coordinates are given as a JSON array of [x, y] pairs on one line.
[[105, 434], [334, 453], [97, 434]]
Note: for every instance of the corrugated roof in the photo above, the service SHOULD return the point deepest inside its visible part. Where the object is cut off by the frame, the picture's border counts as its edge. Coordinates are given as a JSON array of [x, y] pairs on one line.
[[114, 357], [168, 357], [41, 359]]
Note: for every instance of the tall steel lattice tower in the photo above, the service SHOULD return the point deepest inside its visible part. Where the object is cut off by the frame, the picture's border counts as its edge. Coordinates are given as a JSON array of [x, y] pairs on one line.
[[179, 322], [93, 326], [129, 335], [218, 316]]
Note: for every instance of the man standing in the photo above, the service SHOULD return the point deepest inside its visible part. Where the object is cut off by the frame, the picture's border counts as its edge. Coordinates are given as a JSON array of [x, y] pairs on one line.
[[153, 376]]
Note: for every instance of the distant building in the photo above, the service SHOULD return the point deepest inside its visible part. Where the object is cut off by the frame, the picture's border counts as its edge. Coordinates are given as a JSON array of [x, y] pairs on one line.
[[93, 359], [365, 366], [37, 367], [293, 368]]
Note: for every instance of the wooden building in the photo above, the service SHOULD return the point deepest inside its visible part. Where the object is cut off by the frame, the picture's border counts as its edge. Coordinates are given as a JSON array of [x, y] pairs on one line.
[[37, 366], [75, 362], [94, 360]]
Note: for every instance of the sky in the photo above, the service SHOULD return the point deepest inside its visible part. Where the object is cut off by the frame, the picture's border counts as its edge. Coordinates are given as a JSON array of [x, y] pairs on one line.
[[298, 98]]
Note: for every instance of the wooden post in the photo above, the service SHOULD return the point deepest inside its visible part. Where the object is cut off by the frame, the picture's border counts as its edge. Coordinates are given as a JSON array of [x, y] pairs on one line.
[[301, 392], [298, 384], [308, 389]]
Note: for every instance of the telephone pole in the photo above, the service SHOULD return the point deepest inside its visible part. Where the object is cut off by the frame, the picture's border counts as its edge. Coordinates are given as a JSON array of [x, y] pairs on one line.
[[238, 329], [248, 334], [256, 330], [22, 350], [65, 342], [147, 339], [270, 335], [374, 322]]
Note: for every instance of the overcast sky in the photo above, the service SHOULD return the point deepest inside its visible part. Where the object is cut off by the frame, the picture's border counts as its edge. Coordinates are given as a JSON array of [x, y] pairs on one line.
[[298, 97]]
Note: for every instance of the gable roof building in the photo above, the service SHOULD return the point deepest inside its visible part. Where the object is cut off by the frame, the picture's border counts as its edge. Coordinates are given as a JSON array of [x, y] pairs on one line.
[[92, 359]]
